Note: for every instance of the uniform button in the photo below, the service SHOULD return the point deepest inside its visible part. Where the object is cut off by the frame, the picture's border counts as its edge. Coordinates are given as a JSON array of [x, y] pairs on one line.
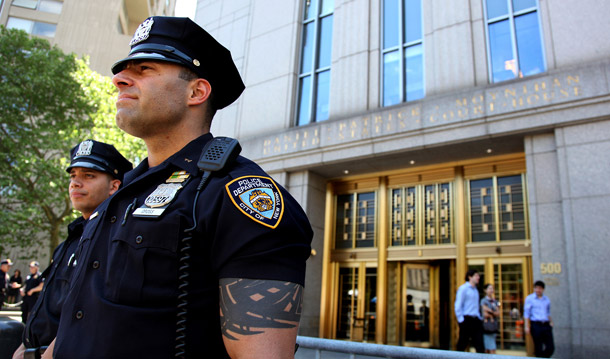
[[96, 264], [79, 314], [138, 239], [112, 219]]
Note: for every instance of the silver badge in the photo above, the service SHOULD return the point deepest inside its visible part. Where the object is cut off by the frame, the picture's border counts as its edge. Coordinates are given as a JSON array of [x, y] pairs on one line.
[[142, 32], [84, 149], [162, 195]]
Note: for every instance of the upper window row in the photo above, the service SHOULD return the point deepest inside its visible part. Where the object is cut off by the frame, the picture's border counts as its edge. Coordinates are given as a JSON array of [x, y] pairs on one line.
[[422, 215], [514, 50], [52, 6], [32, 27]]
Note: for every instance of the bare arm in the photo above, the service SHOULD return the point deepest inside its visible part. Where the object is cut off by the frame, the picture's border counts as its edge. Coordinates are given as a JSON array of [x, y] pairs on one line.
[[260, 318], [20, 352], [48, 354], [37, 288]]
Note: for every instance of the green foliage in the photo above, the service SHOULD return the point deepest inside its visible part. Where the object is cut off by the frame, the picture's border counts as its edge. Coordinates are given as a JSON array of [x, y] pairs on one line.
[[49, 102], [103, 95]]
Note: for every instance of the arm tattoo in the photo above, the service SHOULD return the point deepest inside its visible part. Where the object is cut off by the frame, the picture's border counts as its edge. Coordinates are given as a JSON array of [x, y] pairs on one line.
[[249, 306]]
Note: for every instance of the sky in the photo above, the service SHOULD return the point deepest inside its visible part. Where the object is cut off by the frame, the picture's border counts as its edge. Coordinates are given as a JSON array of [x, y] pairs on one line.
[[186, 8]]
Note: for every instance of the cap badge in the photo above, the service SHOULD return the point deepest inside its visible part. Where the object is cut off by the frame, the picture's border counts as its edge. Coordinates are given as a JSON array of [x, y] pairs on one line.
[[84, 149], [142, 32]]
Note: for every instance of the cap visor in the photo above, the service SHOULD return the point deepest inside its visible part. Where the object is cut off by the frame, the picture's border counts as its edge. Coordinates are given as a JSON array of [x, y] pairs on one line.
[[87, 165], [140, 56]]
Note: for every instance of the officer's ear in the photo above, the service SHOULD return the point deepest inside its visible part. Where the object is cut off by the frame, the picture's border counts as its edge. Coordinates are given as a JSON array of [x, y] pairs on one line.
[[114, 186], [199, 91]]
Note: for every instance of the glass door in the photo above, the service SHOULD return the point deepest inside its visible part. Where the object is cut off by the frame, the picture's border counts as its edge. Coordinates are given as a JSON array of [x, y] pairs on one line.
[[420, 305], [509, 277], [357, 303], [510, 292]]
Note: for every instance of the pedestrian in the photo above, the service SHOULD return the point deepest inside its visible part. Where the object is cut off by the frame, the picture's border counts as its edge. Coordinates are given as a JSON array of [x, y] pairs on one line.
[[4, 279], [468, 313], [195, 256], [96, 170], [15, 283], [538, 321], [31, 290], [491, 317]]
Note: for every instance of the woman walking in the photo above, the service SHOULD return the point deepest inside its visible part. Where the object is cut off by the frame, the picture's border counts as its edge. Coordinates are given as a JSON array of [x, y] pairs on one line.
[[491, 314]]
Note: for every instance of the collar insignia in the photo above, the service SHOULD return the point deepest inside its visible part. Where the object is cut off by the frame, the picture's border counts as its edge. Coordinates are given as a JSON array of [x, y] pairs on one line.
[[258, 198], [142, 32]]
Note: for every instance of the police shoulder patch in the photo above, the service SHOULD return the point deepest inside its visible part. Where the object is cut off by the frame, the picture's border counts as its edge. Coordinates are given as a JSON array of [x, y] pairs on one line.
[[258, 198]]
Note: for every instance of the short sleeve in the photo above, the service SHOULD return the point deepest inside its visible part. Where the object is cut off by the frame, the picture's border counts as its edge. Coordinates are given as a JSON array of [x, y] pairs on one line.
[[252, 242]]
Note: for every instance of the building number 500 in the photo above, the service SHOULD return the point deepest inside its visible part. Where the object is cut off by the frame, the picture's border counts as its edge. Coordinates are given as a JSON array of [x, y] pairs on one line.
[[550, 268]]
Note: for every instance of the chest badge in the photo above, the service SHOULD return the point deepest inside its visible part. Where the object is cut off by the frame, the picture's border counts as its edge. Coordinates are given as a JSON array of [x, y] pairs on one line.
[[156, 202], [258, 198]]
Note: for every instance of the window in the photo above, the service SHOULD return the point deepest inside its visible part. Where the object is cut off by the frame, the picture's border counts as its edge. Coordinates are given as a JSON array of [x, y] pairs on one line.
[[355, 220], [497, 209], [422, 215], [403, 53], [51, 6], [32, 27], [514, 39], [314, 72]]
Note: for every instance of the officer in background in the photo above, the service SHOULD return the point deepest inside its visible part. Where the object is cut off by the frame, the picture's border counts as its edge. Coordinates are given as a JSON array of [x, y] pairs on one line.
[[181, 261], [4, 279], [31, 290], [96, 170]]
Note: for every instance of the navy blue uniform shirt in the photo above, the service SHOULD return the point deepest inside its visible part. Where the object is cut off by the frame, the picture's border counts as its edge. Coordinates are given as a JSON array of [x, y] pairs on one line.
[[43, 320], [122, 301]]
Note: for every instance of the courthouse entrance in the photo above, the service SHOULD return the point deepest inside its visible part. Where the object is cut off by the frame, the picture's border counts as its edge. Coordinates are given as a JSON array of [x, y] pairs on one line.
[[397, 246]]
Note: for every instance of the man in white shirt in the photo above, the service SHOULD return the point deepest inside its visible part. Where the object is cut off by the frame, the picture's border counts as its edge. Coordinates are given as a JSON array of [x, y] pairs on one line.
[[538, 321], [468, 313]]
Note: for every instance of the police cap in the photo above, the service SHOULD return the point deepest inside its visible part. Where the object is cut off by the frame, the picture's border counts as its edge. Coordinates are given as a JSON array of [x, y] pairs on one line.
[[6, 261], [180, 40], [99, 156], [34, 264]]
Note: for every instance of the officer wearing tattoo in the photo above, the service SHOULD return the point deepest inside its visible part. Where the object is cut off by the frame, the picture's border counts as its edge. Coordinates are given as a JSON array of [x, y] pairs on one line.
[[96, 170], [186, 259]]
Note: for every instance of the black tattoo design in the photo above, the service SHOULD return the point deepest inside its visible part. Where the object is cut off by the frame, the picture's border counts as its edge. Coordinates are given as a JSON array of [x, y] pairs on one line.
[[248, 306]]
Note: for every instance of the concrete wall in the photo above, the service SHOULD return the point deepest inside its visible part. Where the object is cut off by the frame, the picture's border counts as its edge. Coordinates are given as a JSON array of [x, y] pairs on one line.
[[569, 202]]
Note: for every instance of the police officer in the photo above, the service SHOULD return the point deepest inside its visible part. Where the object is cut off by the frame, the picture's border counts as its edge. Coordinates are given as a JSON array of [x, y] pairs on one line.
[[96, 170], [31, 290], [4, 279], [186, 259]]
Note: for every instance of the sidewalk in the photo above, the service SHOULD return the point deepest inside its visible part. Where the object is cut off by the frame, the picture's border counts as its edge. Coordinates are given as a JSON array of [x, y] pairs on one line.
[[11, 314]]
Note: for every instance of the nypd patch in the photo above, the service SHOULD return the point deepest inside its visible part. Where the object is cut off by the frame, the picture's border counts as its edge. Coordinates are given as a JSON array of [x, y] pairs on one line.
[[258, 198]]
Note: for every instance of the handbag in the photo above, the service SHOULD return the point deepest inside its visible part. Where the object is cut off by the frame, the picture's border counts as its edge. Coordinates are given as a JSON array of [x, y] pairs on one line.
[[490, 326]]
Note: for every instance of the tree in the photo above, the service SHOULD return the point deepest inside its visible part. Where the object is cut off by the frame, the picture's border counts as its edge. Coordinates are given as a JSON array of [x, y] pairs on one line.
[[49, 102]]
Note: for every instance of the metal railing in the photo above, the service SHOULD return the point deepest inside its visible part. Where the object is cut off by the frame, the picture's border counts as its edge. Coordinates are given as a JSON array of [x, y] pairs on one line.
[[330, 346]]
